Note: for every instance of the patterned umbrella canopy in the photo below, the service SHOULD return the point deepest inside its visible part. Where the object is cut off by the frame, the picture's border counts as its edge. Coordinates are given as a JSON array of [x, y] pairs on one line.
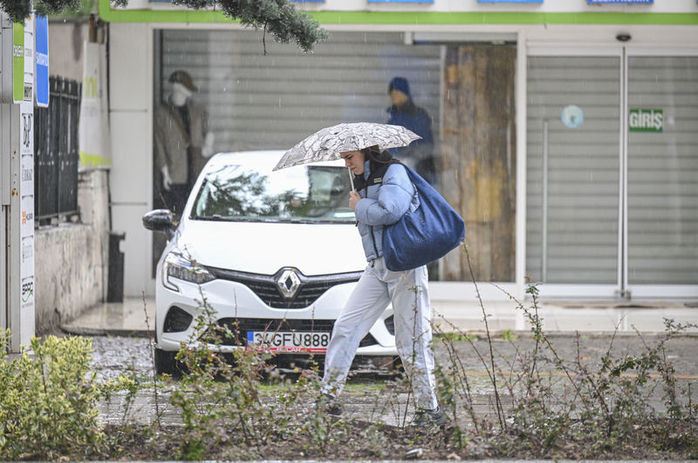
[[327, 143]]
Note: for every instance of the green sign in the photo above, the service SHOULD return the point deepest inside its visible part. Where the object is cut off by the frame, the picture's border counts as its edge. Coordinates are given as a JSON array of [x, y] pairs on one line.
[[18, 62], [646, 120]]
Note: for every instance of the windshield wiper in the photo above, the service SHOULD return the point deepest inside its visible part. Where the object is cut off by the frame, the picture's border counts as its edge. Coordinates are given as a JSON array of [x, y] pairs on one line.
[[220, 218], [293, 220], [212, 218]]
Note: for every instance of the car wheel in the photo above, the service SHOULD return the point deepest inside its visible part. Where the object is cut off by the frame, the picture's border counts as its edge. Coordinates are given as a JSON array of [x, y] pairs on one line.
[[165, 362]]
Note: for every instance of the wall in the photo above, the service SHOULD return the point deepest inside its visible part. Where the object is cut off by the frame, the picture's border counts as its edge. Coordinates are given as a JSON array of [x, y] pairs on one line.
[[66, 48], [72, 258], [130, 96], [548, 6]]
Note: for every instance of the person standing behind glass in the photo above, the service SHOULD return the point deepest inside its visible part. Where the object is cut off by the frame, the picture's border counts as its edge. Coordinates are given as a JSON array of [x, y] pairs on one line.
[[182, 141], [419, 154]]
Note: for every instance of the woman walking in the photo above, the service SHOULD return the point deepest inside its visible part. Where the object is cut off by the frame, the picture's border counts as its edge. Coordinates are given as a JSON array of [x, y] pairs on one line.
[[383, 194]]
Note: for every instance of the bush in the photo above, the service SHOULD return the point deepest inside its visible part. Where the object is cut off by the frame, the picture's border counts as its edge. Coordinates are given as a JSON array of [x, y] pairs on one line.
[[547, 406], [224, 402], [48, 403]]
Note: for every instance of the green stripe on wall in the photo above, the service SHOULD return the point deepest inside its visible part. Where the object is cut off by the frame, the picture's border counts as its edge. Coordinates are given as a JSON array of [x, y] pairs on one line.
[[363, 17], [409, 17]]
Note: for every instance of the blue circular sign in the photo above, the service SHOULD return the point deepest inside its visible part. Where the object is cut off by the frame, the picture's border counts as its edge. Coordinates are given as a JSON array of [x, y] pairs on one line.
[[572, 116]]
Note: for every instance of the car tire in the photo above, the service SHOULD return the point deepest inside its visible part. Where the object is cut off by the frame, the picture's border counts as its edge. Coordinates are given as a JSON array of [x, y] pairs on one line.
[[165, 362]]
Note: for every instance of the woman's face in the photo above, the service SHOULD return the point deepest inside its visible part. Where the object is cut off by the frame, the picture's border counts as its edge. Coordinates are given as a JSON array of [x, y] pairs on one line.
[[354, 160], [398, 98]]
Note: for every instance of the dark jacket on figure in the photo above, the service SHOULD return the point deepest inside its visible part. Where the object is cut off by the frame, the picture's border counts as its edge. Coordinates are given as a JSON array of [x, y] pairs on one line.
[[419, 154], [412, 117]]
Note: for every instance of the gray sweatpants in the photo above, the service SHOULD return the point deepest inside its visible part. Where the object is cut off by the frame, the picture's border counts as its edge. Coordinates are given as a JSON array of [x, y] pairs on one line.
[[378, 286]]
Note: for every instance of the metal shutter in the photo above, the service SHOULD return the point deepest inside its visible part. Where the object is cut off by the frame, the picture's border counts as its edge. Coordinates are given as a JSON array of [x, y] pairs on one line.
[[663, 173], [582, 170], [274, 101]]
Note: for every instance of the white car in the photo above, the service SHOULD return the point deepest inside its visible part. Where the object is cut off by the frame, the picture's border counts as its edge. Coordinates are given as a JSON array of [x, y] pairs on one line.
[[275, 254]]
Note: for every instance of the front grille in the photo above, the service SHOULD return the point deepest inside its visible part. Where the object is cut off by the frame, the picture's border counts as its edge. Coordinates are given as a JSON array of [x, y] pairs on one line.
[[266, 288], [238, 328], [271, 325]]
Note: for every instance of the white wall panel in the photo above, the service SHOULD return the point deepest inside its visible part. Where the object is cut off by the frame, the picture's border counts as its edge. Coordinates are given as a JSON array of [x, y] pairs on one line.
[[131, 157], [131, 66], [130, 97]]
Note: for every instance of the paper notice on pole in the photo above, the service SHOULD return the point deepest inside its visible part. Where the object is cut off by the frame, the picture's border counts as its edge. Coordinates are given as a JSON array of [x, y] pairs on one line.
[[94, 119], [27, 310]]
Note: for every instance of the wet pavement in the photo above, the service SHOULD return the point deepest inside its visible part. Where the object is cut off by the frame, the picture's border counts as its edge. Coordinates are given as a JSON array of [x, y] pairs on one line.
[[380, 400], [578, 331], [136, 315], [116, 355]]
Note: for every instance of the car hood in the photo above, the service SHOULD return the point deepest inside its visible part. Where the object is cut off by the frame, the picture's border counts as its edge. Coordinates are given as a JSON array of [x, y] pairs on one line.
[[264, 248]]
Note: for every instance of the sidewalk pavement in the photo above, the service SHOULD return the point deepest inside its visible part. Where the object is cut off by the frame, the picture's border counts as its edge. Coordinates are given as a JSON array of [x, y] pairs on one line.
[[135, 317]]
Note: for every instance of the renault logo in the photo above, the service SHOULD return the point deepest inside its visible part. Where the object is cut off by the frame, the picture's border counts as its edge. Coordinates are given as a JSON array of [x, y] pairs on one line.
[[288, 283]]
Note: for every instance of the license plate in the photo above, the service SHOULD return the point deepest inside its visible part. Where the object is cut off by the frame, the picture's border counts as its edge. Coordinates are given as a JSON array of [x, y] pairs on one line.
[[290, 341]]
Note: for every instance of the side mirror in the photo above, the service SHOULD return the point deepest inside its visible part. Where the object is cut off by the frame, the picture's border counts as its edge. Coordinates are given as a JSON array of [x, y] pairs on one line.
[[160, 220]]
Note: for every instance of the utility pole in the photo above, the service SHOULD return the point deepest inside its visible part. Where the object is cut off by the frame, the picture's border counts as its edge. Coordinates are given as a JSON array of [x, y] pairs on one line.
[[17, 311]]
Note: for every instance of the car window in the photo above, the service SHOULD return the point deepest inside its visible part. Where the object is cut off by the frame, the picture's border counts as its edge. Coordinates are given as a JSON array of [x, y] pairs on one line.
[[309, 193]]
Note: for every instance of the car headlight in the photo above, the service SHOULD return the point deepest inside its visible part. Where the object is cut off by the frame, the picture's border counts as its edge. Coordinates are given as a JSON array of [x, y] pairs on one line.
[[179, 267]]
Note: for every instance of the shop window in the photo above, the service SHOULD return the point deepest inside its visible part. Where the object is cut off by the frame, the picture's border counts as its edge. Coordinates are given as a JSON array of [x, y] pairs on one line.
[[245, 100]]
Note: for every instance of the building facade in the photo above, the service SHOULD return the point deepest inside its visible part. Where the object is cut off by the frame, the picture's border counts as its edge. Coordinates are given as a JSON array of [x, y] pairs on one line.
[[565, 132]]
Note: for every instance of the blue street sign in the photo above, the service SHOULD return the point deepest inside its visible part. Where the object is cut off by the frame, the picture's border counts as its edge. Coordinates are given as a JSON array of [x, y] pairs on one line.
[[597, 2], [41, 56], [400, 1], [510, 1]]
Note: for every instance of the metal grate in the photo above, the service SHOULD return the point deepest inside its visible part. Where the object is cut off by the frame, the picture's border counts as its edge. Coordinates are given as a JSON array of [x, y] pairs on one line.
[[265, 286], [56, 152]]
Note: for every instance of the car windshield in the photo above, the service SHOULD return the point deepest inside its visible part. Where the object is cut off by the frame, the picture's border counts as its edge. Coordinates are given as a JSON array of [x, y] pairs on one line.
[[305, 194]]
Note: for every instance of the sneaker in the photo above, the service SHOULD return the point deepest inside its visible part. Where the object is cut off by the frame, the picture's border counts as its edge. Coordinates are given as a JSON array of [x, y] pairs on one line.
[[328, 404], [428, 418]]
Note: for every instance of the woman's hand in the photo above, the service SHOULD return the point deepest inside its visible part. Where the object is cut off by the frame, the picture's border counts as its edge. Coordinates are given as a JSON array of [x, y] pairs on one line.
[[353, 199]]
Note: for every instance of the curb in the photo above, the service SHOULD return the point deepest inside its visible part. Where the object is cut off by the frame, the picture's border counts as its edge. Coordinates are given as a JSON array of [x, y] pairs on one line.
[[82, 331]]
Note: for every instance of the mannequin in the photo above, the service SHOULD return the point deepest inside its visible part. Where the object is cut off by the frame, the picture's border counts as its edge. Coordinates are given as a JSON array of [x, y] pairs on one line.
[[183, 142]]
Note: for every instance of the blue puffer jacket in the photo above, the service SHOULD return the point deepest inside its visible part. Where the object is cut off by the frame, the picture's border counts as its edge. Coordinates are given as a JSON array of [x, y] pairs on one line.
[[383, 204]]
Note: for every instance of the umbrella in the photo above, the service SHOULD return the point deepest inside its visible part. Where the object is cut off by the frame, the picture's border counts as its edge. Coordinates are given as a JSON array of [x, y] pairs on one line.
[[327, 143]]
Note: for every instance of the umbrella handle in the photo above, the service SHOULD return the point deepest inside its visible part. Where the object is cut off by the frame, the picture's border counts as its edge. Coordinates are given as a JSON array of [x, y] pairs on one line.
[[351, 178]]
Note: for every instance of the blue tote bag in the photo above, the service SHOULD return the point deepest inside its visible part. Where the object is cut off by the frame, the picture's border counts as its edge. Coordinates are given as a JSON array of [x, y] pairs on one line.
[[425, 234]]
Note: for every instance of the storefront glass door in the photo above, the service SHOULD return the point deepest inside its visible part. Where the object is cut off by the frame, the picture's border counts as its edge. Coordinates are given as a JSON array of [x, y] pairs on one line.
[[612, 175], [662, 174], [573, 169]]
